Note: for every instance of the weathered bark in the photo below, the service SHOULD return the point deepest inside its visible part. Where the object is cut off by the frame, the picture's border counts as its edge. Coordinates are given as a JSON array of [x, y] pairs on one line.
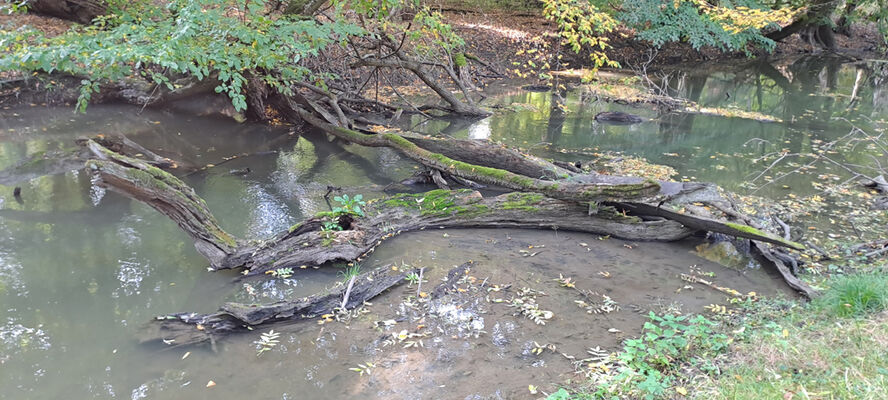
[[191, 328], [166, 194], [562, 190], [815, 21]]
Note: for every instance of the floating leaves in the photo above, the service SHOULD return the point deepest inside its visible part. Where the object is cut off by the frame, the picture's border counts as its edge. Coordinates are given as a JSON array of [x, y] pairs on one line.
[[267, 341], [282, 273], [364, 368], [527, 306]]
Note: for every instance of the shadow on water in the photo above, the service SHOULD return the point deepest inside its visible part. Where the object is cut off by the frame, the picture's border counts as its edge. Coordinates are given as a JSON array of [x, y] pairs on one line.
[[81, 270]]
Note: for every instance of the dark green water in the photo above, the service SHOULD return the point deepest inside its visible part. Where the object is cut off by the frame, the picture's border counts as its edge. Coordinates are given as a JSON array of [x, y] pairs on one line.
[[82, 270]]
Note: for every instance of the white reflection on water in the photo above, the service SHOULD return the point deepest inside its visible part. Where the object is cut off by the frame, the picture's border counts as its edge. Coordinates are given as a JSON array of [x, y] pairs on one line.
[[130, 273], [11, 276], [128, 231], [268, 214], [17, 338], [480, 129]]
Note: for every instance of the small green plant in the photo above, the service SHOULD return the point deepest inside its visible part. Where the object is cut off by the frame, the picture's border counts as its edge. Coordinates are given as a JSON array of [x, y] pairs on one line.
[[351, 270], [330, 226], [856, 295], [651, 362], [282, 273], [412, 278], [350, 205], [267, 341]]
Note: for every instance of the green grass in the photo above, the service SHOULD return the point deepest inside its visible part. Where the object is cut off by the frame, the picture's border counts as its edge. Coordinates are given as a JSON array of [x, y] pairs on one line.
[[802, 355], [835, 347], [855, 295], [349, 271]]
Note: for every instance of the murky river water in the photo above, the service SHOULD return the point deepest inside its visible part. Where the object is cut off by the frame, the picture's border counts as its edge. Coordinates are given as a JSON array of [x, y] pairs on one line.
[[82, 270]]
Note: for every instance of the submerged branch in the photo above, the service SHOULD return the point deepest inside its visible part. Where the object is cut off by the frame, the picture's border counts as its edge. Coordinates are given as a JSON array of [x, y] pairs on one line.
[[191, 328]]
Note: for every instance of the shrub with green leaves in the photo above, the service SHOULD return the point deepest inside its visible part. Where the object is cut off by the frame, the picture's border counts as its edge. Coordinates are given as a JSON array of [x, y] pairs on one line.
[[651, 362], [350, 205], [201, 38], [728, 26]]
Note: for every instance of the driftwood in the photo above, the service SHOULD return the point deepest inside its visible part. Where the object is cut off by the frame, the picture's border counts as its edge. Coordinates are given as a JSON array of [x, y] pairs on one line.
[[191, 328], [308, 244], [618, 117]]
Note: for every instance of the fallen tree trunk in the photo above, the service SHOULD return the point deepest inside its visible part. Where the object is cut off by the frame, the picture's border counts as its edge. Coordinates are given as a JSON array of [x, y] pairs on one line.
[[165, 193], [309, 244], [191, 328], [562, 190]]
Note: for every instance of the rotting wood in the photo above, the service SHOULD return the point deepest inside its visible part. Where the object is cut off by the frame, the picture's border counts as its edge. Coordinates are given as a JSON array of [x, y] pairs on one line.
[[307, 244], [166, 194], [182, 329]]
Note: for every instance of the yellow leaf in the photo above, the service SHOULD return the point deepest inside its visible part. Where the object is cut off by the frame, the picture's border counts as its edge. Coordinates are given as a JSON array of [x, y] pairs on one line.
[[682, 391]]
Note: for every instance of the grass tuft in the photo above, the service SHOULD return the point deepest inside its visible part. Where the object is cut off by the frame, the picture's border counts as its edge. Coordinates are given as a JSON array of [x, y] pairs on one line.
[[855, 295]]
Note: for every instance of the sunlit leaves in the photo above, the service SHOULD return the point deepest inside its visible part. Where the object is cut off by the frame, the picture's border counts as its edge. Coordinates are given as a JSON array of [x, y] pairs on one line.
[[198, 38], [727, 26], [582, 25]]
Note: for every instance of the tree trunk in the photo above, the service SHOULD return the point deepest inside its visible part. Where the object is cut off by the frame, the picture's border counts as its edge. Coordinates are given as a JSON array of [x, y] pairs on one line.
[[166, 194], [80, 11], [814, 21]]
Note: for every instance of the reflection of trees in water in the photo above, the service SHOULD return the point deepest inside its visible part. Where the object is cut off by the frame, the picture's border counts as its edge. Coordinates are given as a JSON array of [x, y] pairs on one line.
[[555, 125], [880, 89]]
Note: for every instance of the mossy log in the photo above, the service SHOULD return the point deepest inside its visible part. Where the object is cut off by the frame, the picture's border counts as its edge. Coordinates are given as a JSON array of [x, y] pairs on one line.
[[307, 244], [165, 193], [562, 190]]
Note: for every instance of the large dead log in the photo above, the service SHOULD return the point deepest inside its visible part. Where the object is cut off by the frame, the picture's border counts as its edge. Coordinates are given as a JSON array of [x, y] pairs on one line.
[[165, 193], [562, 190], [307, 244], [191, 328], [310, 244]]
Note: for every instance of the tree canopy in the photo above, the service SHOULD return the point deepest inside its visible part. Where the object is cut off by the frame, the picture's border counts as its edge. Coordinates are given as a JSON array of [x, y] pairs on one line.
[[272, 44]]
